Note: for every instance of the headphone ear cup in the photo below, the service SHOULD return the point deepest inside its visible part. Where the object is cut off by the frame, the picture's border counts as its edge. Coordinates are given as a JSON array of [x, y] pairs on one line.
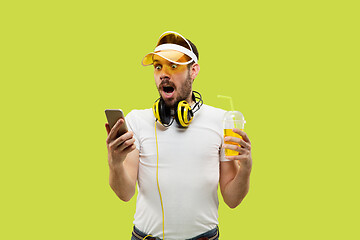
[[184, 114], [164, 113], [155, 109]]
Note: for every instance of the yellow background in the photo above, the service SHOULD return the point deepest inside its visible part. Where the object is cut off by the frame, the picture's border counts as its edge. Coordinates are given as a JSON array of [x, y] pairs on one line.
[[292, 68]]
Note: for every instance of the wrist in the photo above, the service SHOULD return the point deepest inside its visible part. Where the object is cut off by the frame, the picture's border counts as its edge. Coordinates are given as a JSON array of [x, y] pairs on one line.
[[116, 168]]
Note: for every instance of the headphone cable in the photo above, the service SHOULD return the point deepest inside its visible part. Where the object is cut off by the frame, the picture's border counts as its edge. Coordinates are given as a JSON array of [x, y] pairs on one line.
[[198, 103], [157, 181]]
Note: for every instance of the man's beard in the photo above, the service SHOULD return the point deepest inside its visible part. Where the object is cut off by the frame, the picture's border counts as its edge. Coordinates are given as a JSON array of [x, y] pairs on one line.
[[183, 92]]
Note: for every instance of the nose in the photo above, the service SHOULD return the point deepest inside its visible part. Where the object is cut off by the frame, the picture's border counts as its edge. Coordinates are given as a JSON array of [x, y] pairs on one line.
[[164, 74], [164, 77]]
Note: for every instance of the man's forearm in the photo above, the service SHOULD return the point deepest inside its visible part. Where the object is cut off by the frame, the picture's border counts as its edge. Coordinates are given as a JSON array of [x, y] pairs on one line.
[[237, 189], [121, 183]]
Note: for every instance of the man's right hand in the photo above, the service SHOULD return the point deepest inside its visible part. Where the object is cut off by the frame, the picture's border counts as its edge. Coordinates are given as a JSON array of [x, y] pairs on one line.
[[118, 147]]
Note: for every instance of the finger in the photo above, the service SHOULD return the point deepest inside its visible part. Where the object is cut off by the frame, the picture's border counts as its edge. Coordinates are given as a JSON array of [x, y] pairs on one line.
[[129, 149], [236, 148], [239, 141], [236, 157], [124, 147], [242, 134], [121, 140], [114, 130], [107, 128], [232, 158]]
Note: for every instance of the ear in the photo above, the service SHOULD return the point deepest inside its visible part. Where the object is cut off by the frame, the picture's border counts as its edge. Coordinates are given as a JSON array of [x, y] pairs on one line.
[[195, 69]]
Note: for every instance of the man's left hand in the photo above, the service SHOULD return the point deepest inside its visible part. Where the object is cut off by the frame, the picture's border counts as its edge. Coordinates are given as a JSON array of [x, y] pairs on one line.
[[244, 157]]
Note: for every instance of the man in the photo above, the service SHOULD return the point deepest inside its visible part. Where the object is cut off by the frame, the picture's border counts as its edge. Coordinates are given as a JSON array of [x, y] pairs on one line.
[[178, 166]]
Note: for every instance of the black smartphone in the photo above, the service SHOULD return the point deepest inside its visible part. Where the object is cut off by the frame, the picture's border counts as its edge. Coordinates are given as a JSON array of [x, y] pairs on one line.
[[113, 115]]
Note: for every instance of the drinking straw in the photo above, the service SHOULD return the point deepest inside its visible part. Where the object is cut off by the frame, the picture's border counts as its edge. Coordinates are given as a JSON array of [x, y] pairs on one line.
[[231, 106], [231, 101]]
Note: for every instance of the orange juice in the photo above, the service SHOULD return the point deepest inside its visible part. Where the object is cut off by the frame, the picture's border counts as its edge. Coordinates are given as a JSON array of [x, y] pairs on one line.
[[230, 133]]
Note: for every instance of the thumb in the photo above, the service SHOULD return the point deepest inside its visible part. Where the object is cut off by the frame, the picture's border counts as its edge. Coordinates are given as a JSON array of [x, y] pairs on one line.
[[107, 128]]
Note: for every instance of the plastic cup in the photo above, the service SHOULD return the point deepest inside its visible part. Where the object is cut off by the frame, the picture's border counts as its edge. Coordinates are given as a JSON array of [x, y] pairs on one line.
[[232, 119]]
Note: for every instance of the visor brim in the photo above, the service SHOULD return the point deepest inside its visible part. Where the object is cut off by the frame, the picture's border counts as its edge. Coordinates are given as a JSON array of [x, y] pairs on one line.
[[169, 55]]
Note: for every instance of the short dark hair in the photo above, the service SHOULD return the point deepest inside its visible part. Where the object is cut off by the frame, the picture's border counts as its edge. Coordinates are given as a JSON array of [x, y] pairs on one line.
[[195, 50]]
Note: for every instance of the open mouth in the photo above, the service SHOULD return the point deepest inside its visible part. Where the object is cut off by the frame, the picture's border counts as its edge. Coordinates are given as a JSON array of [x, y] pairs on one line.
[[168, 91]]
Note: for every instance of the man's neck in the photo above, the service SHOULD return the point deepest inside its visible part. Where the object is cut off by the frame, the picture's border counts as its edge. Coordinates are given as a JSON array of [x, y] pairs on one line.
[[190, 99]]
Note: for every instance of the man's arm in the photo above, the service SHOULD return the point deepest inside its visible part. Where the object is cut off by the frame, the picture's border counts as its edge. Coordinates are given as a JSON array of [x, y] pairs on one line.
[[123, 159], [235, 174], [122, 179]]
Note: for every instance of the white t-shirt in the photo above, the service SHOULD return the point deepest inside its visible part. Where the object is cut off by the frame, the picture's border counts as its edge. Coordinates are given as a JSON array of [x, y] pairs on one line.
[[188, 173]]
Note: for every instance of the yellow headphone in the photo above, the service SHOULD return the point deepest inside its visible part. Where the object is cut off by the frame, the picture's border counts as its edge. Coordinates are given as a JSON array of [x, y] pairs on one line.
[[183, 113]]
